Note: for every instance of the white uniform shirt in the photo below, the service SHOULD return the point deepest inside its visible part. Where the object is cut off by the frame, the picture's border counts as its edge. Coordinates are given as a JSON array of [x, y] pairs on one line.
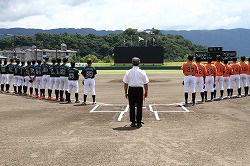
[[135, 77]]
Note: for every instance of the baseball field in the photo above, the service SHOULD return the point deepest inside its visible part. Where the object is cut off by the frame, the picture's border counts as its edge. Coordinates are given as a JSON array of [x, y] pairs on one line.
[[43, 132]]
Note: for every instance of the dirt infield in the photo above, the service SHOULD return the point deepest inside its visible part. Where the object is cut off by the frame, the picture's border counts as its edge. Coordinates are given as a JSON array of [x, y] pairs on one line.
[[43, 132]]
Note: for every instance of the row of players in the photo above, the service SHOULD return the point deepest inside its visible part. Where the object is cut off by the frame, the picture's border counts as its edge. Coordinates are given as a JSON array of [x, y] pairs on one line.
[[40, 75], [210, 76]]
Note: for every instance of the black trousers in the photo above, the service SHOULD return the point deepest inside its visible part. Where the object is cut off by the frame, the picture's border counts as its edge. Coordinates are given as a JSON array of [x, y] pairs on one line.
[[135, 97]]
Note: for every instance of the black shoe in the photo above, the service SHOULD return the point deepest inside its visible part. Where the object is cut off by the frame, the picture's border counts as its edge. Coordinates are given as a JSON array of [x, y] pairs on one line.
[[132, 125], [139, 125], [62, 99], [69, 101], [77, 101]]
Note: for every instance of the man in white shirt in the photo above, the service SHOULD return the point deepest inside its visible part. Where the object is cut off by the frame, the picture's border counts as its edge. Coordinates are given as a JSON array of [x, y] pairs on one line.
[[135, 80]]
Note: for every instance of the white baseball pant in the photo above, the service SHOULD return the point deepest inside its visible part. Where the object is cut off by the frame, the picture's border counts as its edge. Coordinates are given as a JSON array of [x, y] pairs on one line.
[[57, 83], [209, 83], [189, 82], [227, 82], [51, 82], [45, 81], [38, 82], [9, 78], [236, 79], [200, 83], [89, 83], [219, 80], [4, 79], [73, 84], [243, 80], [64, 83]]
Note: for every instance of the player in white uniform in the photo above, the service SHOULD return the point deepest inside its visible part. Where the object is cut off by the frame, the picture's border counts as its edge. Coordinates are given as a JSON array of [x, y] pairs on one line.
[[0, 70], [243, 75], [38, 76], [52, 74], [89, 73], [64, 82], [226, 76], [4, 75], [20, 82], [16, 75], [45, 78], [73, 82], [26, 78], [57, 78], [10, 75]]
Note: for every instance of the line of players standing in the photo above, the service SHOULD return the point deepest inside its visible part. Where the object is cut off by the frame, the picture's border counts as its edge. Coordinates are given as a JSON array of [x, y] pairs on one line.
[[40, 75], [212, 76]]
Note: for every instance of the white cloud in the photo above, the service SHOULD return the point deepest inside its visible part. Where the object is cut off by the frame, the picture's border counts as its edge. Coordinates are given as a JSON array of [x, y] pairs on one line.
[[121, 14]]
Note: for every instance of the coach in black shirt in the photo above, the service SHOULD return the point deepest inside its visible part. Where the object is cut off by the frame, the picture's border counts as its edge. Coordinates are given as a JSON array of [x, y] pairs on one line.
[[135, 80]]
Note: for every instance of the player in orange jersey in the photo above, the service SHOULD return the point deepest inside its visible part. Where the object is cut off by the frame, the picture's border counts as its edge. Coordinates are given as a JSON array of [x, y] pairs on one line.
[[210, 78], [220, 70], [235, 77], [189, 70], [200, 77], [243, 74], [248, 75], [226, 76]]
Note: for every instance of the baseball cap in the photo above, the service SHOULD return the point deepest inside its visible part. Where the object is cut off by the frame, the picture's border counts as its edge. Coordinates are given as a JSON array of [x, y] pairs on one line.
[[136, 61]]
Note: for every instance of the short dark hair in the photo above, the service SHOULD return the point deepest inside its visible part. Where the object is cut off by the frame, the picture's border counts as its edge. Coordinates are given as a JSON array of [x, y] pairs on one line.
[[11, 60], [46, 59], [28, 62], [242, 58], [135, 61], [65, 60], [225, 60], [198, 58], [39, 61], [218, 57], [58, 60], [53, 60], [234, 59], [17, 60], [73, 64], [33, 61], [209, 60], [190, 57], [89, 61]]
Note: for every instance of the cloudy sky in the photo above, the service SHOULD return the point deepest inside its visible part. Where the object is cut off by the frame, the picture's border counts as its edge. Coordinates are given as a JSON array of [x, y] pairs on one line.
[[123, 14]]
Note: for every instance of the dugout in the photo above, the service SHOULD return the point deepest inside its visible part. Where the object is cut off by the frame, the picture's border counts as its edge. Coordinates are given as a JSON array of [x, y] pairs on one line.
[[147, 55]]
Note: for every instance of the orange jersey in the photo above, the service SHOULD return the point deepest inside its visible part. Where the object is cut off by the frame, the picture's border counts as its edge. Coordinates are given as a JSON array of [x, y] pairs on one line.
[[210, 69], [236, 69], [244, 68], [248, 68], [228, 70], [189, 68], [220, 68], [201, 70]]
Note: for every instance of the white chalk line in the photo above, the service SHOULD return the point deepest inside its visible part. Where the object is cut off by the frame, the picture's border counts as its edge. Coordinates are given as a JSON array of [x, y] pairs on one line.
[[150, 109], [122, 113]]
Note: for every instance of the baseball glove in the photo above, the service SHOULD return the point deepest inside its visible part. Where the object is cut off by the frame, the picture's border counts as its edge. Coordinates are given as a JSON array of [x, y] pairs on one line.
[[83, 82], [30, 81]]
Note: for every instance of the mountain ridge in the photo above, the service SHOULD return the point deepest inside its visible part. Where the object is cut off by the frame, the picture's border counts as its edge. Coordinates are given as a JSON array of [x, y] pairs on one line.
[[230, 39]]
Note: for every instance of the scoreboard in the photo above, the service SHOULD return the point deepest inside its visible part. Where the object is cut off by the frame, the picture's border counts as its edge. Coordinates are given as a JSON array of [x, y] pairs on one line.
[[214, 51]]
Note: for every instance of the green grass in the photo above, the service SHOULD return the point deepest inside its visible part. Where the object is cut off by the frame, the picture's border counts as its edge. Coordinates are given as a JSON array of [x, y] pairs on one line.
[[165, 64], [147, 71]]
